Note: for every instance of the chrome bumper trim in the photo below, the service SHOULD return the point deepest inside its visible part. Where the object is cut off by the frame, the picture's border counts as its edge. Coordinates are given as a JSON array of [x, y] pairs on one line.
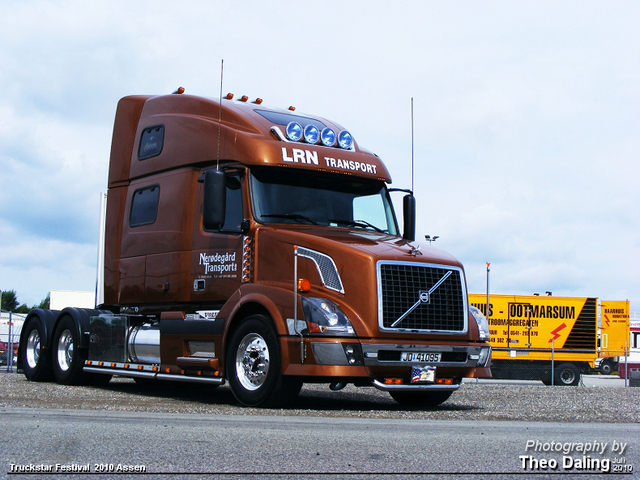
[[417, 387]]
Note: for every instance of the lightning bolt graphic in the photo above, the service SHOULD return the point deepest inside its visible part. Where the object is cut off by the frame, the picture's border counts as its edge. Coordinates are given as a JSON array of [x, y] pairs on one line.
[[606, 320], [555, 333]]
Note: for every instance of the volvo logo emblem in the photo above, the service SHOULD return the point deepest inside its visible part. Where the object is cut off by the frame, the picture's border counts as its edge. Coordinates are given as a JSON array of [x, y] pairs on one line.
[[424, 297]]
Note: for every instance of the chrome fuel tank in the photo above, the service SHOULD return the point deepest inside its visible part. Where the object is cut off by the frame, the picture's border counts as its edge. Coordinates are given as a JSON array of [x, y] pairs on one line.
[[144, 343]]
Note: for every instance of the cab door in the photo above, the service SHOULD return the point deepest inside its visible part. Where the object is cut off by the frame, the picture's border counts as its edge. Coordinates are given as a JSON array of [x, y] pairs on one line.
[[216, 258]]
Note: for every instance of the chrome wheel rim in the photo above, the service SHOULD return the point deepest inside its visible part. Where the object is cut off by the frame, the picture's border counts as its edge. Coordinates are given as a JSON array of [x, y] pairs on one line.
[[33, 349], [65, 350], [252, 361]]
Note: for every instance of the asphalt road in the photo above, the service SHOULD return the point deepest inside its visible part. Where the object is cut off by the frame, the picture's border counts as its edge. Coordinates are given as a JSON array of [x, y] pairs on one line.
[[587, 381], [174, 431], [259, 446]]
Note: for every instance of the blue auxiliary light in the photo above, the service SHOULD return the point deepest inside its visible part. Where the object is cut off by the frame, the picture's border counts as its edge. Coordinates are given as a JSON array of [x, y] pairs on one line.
[[294, 131], [311, 134], [328, 137], [345, 140]]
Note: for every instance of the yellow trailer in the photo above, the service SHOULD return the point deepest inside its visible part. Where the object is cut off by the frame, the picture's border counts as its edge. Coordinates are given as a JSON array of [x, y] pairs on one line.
[[552, 339], [613, 337]]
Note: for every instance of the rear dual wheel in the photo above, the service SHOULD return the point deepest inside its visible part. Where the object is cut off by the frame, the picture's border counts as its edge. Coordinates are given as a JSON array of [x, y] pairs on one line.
[[68, 360], [35, 363], [567, 374], [254, 367]]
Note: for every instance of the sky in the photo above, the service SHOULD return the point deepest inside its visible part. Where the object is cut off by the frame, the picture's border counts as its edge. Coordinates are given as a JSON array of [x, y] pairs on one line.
[[526, 121]]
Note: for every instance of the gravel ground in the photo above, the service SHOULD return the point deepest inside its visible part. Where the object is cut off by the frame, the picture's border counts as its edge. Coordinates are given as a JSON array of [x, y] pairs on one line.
[[470, 402]]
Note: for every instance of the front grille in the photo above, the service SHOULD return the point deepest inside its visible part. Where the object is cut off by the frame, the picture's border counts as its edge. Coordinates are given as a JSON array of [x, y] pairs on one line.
[[401, 286]]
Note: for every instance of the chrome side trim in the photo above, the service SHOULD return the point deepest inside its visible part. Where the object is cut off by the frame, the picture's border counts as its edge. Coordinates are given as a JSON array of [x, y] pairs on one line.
[[121, 372], [184, 378], [133, 372]]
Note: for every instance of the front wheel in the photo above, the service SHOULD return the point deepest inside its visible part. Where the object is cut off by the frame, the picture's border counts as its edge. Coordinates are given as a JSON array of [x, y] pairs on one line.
[[67, 361], [36, 365], [253, 366], [606, 367], [420, 399]]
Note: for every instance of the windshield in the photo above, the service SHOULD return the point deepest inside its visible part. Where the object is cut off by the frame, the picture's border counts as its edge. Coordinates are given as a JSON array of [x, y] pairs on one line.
[[315, 198]]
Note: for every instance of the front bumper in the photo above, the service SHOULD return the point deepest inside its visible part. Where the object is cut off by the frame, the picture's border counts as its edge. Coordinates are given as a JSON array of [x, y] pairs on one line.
[[461, 357], [415, 387], [382, 363]]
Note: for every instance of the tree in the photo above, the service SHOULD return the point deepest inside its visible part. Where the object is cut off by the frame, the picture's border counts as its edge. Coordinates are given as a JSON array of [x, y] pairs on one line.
[[9, 300], [10, 303], [44, 304], [22, 309]]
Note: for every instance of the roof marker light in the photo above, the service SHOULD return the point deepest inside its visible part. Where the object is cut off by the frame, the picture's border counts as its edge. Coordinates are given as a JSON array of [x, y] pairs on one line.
[[294, 131], [311, 134], [345, 140], [292, 108], [229, 96], [179, 91], [244, 98], [258, 101], [328, 137]]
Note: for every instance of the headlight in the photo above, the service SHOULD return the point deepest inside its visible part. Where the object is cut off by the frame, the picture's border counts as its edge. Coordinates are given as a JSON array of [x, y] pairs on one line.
[[325, 317], [328, 137], [485, 355], [311, 134], [345, 140], [481, 320], [294, 131]]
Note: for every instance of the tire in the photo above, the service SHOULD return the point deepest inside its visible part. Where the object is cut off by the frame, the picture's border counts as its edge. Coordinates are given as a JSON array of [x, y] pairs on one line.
[[420, 399], [254, 368], [567, 374], [66, 358], [36, 364], [606, 367]]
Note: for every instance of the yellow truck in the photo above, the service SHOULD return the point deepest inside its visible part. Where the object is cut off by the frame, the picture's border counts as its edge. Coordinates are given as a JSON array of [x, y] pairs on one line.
[[553, 339], [613, 336]]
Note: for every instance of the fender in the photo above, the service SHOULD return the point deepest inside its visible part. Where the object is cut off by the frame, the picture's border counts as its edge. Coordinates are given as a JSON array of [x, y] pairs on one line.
[[270, 298], [46, 319]]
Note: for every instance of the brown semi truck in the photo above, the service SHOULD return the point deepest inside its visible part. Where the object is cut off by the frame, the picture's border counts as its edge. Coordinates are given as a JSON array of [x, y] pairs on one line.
[[259, 247]]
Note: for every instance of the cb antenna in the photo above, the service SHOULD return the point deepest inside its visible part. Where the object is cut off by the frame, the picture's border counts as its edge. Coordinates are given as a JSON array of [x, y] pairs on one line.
[[220, 113], [412, 144]]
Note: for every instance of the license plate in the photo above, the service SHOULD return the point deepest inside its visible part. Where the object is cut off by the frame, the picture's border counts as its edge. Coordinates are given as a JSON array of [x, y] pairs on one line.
[[420, 357]]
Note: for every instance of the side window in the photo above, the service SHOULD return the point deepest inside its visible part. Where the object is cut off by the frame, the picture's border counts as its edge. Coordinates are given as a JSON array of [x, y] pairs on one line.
[[144, 206], [151, 142], [370, 209], [233, 214]]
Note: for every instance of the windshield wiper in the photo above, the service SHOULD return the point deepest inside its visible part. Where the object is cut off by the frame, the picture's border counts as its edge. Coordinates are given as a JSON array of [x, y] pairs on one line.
[[290, 216], [358, 223]]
